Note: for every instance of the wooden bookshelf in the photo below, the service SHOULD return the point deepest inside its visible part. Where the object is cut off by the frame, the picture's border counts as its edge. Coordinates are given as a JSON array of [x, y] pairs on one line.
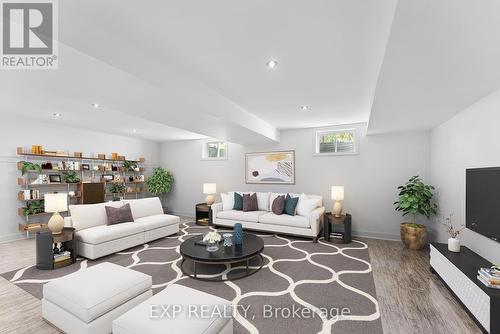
[[98, 165]]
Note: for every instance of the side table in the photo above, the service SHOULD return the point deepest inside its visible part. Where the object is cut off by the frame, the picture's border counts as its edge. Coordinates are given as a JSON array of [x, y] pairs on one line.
[[46, 242], [203, 214], [341, 226]]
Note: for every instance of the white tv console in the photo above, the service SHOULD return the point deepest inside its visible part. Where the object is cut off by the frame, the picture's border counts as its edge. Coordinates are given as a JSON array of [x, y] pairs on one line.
[[458, 271]]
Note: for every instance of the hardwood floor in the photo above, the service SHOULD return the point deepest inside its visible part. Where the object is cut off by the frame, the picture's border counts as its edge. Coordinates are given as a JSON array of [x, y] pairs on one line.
[[411, 299]]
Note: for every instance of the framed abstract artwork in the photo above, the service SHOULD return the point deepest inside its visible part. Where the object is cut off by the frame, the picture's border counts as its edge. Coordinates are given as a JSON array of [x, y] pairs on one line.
[[270, 167]]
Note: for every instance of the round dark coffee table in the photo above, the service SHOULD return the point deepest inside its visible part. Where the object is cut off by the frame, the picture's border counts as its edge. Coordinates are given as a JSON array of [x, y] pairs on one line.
[[196, 254]]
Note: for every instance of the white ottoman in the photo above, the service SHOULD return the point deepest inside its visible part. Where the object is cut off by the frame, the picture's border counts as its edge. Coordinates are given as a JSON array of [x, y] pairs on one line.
[[88, 300], [177, 309]]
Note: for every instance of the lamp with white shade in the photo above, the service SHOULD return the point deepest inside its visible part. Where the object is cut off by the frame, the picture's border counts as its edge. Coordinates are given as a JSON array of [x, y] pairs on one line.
[[337, 196], [209, 189], [56, 203]]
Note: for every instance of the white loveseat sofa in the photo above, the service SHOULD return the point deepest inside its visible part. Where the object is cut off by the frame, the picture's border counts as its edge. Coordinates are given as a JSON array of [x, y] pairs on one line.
[[94, 238], [265, 220]]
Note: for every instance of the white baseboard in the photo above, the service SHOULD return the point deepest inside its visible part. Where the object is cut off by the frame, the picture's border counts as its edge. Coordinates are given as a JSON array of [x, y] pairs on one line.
[[376, 235]]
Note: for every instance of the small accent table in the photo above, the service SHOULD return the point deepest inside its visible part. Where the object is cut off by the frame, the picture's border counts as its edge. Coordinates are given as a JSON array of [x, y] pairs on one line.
[[45, 243], [331, 224], [203, 214]]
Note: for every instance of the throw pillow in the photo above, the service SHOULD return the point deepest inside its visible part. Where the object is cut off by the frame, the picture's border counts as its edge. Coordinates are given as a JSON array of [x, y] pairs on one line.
[[290, 204], [250, 202], [238, 202], [306, 205], [263, 201], [119, 215], [227, 201], [278, 205]]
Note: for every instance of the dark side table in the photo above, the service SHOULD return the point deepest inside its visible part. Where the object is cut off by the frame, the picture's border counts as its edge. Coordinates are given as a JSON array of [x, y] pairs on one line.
[[45, 243], [203, 214], [341, 226]]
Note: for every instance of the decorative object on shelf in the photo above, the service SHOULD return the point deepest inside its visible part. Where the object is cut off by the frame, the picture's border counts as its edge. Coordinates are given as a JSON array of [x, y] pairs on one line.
[[78, 154], [415, 198], [96, 168], [238, 234], [85, 167], [71, 193], [209, 189], [107, 177], [270, 167], [118, 178], [228, 239], [212, 239], [453, 241], [137, 169], [114, 156], [337, 196], [129, 166], [56, 203], [131, 178], [160, 183], [55, 178], [47, 165], [30, 167], [101, 156], [33, 208], [36, 149], [70, 177]]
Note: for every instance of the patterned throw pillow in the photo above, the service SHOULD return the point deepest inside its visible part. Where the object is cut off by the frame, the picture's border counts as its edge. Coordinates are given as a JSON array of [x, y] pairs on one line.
[[278, 205], [119, 215], [238, 201], [250, 202], [290, 204]]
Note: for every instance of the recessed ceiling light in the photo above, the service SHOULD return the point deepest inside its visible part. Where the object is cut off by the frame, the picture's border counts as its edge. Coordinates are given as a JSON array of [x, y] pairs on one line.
[[272, 64], [95, 105], [304, 108], [56, 115]]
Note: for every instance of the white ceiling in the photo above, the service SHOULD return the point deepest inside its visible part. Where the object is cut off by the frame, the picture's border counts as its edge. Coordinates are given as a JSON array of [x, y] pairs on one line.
[[442, 56], [187, 69]]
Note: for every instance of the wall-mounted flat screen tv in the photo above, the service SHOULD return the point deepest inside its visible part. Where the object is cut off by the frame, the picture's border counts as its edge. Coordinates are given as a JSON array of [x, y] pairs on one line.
[[483, 201]]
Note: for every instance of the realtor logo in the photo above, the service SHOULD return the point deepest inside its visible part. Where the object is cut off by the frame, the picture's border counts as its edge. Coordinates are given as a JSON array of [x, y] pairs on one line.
[[29, 34]]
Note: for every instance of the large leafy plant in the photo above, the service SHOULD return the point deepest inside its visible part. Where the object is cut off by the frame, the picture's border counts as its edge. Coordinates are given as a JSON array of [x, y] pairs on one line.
[[30, 167], [117, 188], [416, 198], [160, 182]]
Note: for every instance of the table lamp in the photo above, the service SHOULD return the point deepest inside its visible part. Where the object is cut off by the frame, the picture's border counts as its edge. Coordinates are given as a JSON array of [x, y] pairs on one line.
[[337, 196], [209, 189], [56, 203]]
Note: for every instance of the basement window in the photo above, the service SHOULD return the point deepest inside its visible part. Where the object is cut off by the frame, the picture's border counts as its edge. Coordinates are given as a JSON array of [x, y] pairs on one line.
[[214, 150], [336, 142]]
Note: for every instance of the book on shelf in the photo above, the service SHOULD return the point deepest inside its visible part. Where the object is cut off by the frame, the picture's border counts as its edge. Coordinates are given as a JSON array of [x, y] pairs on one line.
[[61, 258], [489, 277]]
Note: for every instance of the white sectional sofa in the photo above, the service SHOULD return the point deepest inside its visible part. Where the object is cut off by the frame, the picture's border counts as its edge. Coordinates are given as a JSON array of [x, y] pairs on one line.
[[265, 220], [94, 238]]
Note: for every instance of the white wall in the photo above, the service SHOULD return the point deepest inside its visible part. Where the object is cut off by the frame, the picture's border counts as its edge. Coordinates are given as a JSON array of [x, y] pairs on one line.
[[24, 133], [370, 178], [468, 140]]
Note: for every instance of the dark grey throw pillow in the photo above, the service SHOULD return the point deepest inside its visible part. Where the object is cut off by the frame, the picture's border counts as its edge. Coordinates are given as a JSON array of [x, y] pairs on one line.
[[119, 215], [278, 205], [250, 202]]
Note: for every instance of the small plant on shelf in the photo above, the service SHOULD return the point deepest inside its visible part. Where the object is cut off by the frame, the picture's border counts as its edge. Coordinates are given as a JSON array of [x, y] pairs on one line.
[[27, 166], [34, 207], [116, 189], [70, 177], [129, 166]]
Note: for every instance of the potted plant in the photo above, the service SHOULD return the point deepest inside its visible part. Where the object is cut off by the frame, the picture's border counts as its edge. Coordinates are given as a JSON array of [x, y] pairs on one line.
[[34, 207], [453, 241], [129, 166], [70, 177], [415, 198], [116, 189], [160, 183], [27, 166]]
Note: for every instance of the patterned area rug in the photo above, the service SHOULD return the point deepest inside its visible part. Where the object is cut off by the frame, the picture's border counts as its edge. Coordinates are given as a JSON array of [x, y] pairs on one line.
[[302, 288]]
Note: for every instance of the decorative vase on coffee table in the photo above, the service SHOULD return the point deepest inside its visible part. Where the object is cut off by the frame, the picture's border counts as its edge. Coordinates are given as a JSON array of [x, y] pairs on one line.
[[212, 246], [238, 234]]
